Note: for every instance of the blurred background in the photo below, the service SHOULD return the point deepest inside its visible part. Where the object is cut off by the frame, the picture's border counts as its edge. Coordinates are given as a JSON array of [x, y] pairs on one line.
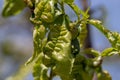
[[16, 44]]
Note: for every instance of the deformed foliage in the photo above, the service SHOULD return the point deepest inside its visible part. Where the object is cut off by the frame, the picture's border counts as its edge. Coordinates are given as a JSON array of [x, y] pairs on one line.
[[59, 41]]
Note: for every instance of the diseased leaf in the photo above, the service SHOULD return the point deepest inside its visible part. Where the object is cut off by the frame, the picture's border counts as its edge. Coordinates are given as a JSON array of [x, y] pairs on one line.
[[80, 69], [59, 42], [13, 7], [39, 41], [44, 12], [59, 49]]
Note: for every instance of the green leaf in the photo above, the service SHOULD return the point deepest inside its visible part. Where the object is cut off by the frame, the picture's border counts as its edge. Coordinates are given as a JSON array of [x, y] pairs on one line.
[[113, 37], [104, 75], [78, 11], [39, 69], [39, 40], [109, 52], [79, 71], [45, 12], [92, 52], [83, 34], [99, 26], [30, 3], [59, 49], [12, 7], [68, 1]]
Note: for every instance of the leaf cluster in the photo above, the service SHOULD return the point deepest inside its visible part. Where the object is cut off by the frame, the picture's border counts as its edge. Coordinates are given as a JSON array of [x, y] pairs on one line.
[[59, 41]]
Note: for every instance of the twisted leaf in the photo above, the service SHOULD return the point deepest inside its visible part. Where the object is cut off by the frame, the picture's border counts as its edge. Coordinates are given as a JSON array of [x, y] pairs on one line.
[[39, 41], [59, 49]]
